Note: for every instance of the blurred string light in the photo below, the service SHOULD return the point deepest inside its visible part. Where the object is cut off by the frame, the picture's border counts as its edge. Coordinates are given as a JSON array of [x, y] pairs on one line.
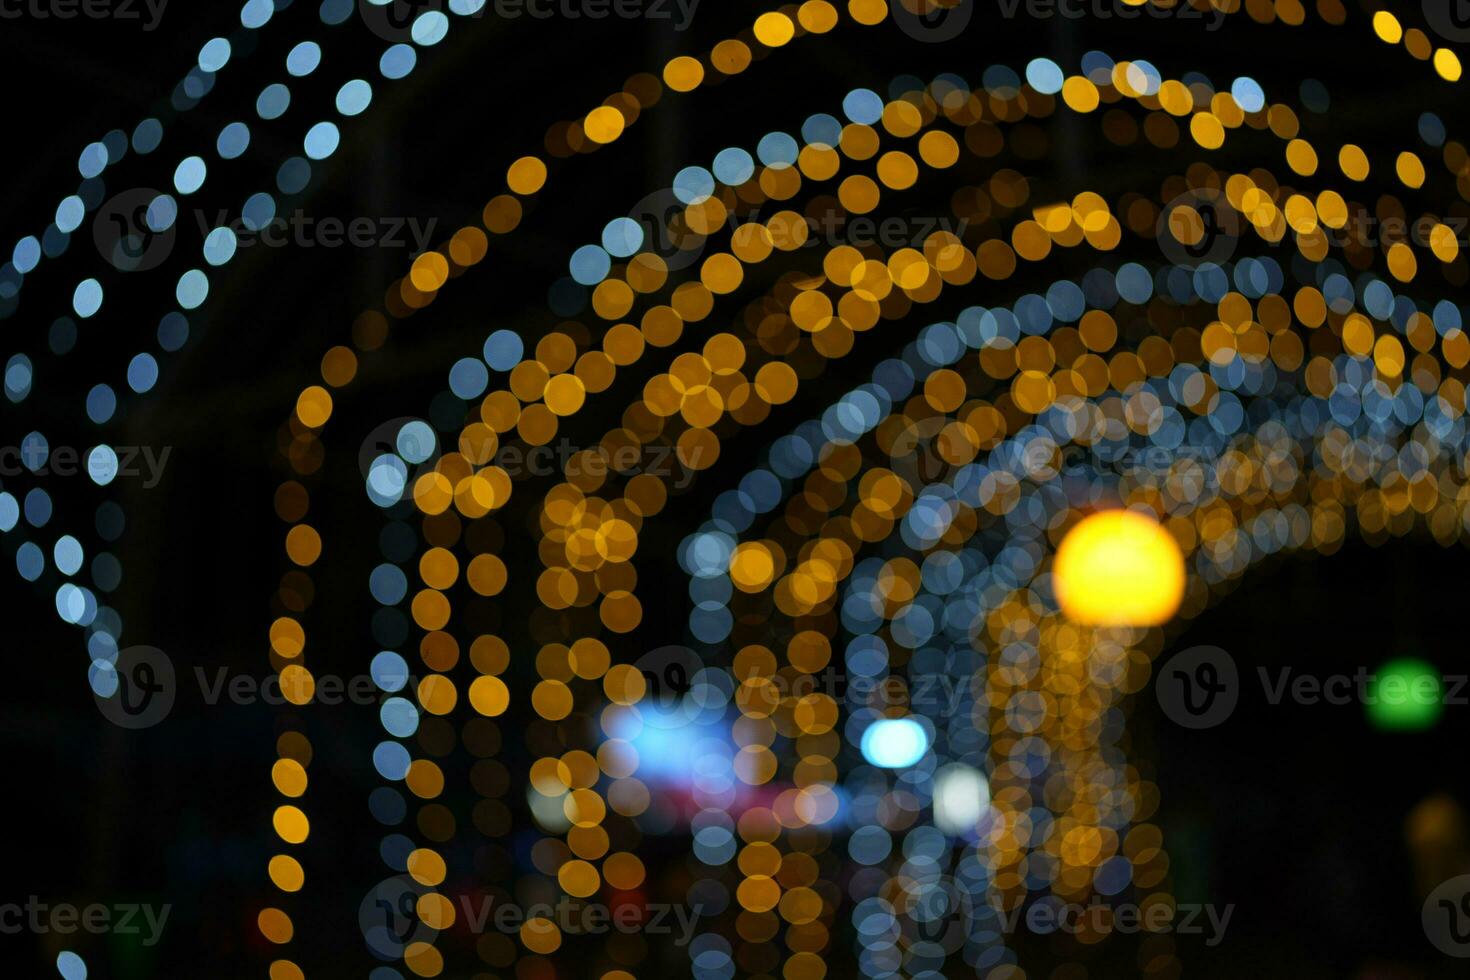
[[214, 56], [1113, 873], [77, 604], [430, 274]]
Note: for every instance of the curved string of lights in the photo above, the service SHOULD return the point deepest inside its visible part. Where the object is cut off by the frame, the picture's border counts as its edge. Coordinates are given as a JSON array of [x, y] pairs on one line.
[[778, 872], [423, 958]]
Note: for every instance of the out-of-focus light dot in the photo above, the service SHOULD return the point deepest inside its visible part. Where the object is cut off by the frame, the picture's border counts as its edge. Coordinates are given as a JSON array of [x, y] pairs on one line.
[[386, 480], [30, 561], [101, 403], [93, 160], [142, 373], [259, 210], [27, 254], [256, 13], [961, 797], [69, 213], [293, 176], [87, 298], [37, 507], [214, 55], [147, 135], [304, 58], [1119, 568], [162, 212], [219, 247], [1248, 94], [273, 102], [189, 175], [468, 378], [622, 237], [391, 760], [1447, 64], [71, 966], [354, 97], [34, 451], [18, 377], [863, 106], [894, 743], [68, 555], [233, 140], [102, 465], [777, 150], [734, 166], [322, 140], [192, 290], [1404, 695], [429, 28], [416, 441], [398, 61], [694, 185], [590, 265], [334, 12], [389, 671], [9, 512], [503, 350], [1045, 76], [1387, 27]]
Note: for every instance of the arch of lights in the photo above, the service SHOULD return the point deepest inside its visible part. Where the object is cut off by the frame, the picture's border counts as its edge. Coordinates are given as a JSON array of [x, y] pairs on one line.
[[1313, 398]]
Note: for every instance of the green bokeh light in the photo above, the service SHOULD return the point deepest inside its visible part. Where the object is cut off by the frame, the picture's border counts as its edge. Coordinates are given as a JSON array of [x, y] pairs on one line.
[[1405, 695]]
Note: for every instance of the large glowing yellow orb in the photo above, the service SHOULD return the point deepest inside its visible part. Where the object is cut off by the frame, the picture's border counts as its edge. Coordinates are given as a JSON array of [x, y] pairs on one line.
[[1119, 568]]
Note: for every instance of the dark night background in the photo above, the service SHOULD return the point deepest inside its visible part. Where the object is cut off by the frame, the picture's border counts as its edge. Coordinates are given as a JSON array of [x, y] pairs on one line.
[[1296, 815]]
